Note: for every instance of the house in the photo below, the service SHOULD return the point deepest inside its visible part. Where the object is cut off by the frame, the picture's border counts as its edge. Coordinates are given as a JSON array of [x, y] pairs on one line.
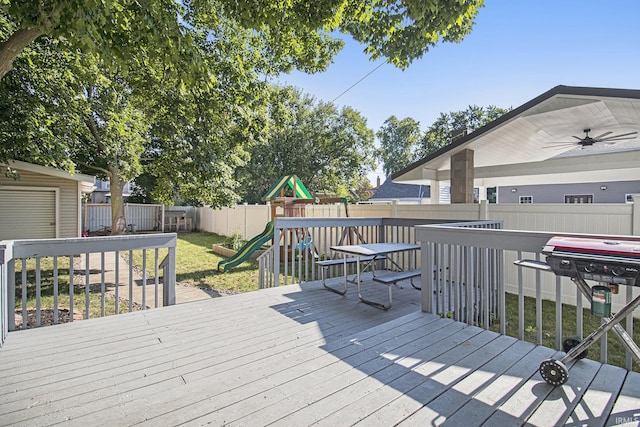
[[403, 193], [42, 202], [102, 193], [567, 135]]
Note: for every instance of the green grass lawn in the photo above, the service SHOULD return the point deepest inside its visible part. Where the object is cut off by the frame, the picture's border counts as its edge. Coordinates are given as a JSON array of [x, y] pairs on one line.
[[47, 299], [196, 264], [590, 323]]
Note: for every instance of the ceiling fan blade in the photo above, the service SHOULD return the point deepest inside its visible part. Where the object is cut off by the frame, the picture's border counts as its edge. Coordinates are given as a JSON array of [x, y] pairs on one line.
[[599, 137], [579, 139], [560, 145], [622, 136]]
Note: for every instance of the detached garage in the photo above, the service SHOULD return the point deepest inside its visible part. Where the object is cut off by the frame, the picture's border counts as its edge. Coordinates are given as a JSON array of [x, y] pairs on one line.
[[43, 203]]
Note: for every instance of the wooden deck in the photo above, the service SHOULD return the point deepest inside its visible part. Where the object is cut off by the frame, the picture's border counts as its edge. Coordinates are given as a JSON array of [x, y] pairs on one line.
[[295, 356]]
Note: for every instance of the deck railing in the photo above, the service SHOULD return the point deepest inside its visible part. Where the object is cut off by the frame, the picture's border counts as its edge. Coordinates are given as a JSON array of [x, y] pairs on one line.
[[299, 242], [4, 304], [51, 274], [477, 271]]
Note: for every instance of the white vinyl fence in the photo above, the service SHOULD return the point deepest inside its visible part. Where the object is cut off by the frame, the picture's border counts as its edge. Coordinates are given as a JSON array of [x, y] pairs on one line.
[[601, 218]]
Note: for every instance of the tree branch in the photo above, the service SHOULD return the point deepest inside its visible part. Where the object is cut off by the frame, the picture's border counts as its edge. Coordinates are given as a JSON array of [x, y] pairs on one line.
[[106, 172], [93, 128], [14, 45]]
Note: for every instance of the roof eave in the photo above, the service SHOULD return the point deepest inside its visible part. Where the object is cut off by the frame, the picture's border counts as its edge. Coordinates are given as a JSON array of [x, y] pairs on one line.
[[513, 114]]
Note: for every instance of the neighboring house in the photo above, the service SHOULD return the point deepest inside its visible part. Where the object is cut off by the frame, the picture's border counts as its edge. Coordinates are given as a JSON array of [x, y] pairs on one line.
[[102, 193], [403, 193], [42, 203]]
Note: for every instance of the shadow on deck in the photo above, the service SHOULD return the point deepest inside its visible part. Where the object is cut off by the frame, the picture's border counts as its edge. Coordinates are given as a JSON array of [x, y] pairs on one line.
[[297, 355]]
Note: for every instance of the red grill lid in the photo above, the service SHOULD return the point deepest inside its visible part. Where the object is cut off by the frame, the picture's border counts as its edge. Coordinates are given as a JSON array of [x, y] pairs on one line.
[[588, 246]]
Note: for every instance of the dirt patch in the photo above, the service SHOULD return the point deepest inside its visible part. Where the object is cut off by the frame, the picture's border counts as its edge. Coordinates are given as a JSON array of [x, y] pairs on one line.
[[47, 314], [46, 317], [214, 293]]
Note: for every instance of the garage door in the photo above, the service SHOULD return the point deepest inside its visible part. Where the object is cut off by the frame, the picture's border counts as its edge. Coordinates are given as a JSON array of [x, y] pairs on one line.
[[27, 214]]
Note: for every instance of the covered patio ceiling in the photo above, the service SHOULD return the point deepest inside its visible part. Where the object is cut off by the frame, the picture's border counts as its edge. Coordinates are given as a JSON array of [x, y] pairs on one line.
[[524, 146]]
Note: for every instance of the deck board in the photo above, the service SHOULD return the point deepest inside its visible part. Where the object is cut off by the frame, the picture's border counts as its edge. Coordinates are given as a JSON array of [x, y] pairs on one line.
[[296, 355]]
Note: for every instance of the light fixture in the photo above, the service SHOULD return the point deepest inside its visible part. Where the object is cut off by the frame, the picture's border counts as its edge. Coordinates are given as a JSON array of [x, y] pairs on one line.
[[603, 187], [513, 190]]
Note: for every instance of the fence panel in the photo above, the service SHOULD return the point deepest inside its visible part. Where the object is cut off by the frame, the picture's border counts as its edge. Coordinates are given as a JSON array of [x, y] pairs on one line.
[[618, 219], [145, 217]]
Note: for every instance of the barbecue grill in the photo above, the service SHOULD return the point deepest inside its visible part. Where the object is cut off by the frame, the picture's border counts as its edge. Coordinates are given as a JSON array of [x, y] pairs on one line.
[[611, 263]]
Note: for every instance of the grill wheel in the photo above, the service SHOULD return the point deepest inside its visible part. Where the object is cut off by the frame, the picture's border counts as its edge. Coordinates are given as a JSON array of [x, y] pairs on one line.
[[569, 343], [554, 372]]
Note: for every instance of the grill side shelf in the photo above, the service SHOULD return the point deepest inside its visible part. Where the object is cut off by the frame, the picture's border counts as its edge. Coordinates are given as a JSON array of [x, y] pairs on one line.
[[531, 263]]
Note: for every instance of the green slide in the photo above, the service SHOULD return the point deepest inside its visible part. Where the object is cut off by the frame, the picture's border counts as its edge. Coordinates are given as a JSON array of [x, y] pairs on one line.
[[246, 251]]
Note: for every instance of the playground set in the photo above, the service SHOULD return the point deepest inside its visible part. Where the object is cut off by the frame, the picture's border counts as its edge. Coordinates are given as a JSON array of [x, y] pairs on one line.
[[282, 205]]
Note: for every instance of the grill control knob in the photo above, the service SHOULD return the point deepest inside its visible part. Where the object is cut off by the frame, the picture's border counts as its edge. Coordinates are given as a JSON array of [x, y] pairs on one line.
[[618, 270], [591, 267]]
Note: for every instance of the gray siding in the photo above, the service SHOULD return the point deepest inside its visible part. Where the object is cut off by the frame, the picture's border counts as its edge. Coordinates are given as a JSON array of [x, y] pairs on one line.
[[554, 193]]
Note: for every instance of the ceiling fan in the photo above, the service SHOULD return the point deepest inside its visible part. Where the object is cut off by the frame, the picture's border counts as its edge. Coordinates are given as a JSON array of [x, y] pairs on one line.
[[605, 137]]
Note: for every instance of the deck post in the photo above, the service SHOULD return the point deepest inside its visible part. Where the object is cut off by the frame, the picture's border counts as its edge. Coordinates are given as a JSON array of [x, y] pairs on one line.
[[169, 279], [277, 234], [11, 293], [4, 308]]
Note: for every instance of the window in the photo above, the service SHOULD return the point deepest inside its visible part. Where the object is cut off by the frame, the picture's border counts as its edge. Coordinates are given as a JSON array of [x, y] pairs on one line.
[[492, 194], [629, 197], [578, 198], [526, 199]]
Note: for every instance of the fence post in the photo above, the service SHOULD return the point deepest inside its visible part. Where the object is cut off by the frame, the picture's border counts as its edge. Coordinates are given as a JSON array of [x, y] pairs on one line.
[[484, 210], [635, 216]]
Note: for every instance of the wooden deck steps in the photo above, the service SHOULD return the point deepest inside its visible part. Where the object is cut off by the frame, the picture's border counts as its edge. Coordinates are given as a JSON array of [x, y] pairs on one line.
[[296, 355]]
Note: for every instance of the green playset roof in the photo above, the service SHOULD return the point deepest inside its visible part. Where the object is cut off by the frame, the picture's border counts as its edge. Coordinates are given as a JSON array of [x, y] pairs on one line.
[[299, 190]]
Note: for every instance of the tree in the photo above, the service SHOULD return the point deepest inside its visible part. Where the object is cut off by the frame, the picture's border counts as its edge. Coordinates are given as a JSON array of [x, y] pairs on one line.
[[401, 30], [112, 30], [177, 80], [64, 108], [398, 142], [329, 149], [298, 34], [444, 129]]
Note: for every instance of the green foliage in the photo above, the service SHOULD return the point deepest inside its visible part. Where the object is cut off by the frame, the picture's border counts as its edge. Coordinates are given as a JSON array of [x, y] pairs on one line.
[[66, 109], [398, 142], [235, 241], [400, 31], [327, 148], [112, 30], [446, 125], [294, 34], [174, 89], [402, 142]]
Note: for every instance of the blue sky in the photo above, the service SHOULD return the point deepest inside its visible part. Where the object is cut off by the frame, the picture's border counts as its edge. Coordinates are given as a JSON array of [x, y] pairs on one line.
[[517, 50]]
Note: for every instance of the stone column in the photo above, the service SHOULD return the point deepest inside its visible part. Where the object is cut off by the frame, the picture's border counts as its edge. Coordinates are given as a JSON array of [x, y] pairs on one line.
[[462, 177]]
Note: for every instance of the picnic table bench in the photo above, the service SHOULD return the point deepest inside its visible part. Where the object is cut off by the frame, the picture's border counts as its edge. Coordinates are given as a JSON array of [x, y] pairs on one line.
[[396, 276], [326, 263]]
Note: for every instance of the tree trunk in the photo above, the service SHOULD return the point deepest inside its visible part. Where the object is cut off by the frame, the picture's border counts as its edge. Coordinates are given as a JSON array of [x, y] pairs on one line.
[[118, 220], [11, 48]]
